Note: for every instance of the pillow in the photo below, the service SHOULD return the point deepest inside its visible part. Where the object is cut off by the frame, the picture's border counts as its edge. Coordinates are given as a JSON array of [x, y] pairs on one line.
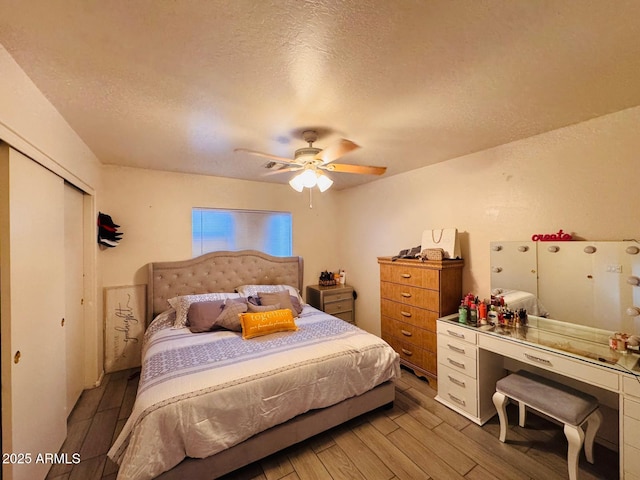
[[262, 308], [265, 323], [282, 297], [202, 316], [248, 290], [182, 303], [229, 318]]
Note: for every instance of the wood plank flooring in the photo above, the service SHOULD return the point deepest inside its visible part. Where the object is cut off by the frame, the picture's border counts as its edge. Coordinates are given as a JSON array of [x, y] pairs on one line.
[[417, 439]]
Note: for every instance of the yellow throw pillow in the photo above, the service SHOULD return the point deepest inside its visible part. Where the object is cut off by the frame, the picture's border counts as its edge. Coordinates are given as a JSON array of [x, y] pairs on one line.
[[264, 323]]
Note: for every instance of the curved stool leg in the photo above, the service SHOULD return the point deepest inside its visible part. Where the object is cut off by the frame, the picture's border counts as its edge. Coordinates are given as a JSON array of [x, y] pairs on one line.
[[500, 401], [593, 424], [575, 437], [522, 414]]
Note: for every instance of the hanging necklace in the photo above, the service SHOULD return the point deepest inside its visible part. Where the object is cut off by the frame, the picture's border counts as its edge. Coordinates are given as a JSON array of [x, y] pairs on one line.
[[439, 238]]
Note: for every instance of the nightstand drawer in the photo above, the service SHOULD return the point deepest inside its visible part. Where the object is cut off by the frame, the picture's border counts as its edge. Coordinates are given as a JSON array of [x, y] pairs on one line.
[[338, 296], [333, 307]]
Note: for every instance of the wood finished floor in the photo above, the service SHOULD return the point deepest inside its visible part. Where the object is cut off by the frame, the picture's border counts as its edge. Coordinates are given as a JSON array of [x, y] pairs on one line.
[[417, 439]]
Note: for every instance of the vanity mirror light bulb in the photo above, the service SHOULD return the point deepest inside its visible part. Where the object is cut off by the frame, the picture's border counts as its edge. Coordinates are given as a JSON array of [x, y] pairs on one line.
[[496, 269], [496, 248], [635, 281], [590, 249], [523, 248], [553, 248], [632, 250], [633, 311]]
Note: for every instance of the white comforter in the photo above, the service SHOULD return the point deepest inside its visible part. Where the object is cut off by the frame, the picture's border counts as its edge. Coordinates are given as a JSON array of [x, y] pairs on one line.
[[202, 393]]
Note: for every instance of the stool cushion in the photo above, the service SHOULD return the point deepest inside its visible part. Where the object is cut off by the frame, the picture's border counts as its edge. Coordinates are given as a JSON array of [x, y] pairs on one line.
[[561, 402]]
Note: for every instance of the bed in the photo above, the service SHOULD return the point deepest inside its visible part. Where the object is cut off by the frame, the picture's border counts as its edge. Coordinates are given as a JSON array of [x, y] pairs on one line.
[[209, 403]]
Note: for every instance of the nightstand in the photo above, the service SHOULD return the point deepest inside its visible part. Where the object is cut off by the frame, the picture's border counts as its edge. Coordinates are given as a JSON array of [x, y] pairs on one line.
[[336, 300]]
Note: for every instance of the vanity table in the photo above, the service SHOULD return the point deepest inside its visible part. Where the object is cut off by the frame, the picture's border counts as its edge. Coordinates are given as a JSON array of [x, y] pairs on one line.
[[472, 359]]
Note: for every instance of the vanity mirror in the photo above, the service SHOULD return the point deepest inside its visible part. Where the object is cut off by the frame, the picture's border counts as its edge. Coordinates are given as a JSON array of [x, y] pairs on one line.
[[595, 284]]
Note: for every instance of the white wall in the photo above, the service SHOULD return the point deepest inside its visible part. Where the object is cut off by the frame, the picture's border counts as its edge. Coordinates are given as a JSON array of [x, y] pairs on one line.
[[582, 178], [153, 209]]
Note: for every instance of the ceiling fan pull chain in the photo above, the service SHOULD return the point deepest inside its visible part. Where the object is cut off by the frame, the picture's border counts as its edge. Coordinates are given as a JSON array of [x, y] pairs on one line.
[[310, 197]]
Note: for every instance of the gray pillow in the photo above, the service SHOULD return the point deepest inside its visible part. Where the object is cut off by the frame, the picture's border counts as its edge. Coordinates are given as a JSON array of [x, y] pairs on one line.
[[282, 297], [202, 316], [229, 318]]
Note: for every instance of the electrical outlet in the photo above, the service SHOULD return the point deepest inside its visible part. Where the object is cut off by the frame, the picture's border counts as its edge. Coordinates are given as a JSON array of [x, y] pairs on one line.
[[614, 268]]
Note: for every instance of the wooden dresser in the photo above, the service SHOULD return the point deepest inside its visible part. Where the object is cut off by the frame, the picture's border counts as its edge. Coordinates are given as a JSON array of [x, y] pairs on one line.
[[413, 294]]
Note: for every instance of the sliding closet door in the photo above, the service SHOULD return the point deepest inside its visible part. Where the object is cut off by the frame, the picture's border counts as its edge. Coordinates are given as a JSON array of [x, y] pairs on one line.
[[37, 408], [74, 283]]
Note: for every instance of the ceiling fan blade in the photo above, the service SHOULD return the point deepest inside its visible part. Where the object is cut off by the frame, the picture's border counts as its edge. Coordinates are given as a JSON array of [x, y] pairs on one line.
[[336, 150], [266, 155], [283, 170], [364, 169]]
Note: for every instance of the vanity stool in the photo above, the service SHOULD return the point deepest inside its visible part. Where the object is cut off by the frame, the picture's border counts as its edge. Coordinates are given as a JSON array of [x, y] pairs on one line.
[[567, 405]]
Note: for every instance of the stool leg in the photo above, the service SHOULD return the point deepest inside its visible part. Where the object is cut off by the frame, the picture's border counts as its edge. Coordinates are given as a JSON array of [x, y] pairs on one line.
[[593, 424], [575, 437], [522, 414], [500, 401]]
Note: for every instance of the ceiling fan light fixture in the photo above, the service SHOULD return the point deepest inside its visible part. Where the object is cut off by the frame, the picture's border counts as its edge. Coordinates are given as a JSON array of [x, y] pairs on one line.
[[324, 182], [308, 178], [296, 183]]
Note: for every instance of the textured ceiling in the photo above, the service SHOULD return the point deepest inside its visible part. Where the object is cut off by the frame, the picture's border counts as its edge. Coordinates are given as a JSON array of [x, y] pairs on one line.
[[177, 85]]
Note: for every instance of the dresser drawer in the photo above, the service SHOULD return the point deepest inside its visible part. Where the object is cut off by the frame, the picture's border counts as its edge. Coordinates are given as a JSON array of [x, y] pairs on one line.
[[407, 275], [413, 354], [459, 333], [419, 297], [457, 346], [457, 390], [552, 361], [409, 314], [409, 333], [338, 306], [457, 361]]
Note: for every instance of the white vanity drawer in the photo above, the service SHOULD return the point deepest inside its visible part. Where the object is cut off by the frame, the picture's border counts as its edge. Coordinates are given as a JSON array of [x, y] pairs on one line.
[[551, 361], [457, 346], [631, 431], [632, 408], [457, 361], [631, 386], [631, 461], [462, 396], [460, 333]]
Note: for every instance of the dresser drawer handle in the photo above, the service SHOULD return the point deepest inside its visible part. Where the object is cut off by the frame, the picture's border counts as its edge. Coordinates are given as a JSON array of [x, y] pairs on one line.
[[407, 352], [533, 358], [405, 314], [405, 275], [458, 400], [405, 294], [460, 383], [456, 364], [455, 349], [406, 333], [455, 334]]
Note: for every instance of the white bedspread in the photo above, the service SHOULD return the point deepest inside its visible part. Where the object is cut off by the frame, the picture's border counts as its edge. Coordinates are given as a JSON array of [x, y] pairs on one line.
[[202, 393]]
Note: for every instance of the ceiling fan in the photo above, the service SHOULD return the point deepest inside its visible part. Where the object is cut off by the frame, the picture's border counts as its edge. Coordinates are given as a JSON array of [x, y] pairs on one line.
[[312, 162]]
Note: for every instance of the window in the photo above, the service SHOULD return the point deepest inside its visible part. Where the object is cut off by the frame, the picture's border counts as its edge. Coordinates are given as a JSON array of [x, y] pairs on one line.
[[215, 229]]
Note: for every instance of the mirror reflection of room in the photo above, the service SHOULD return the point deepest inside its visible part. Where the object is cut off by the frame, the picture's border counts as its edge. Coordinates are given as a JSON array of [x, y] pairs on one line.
[[593, 284]]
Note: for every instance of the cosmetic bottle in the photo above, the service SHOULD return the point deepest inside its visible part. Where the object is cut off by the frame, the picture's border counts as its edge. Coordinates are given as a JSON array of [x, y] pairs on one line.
[[462, 313], [473, 315]]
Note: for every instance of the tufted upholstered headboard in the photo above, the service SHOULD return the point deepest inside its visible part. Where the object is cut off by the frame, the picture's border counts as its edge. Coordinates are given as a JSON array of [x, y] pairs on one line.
[[218, 272]]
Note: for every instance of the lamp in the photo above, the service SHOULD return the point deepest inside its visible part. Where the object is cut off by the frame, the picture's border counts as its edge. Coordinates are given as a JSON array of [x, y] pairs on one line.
[[309, 178]]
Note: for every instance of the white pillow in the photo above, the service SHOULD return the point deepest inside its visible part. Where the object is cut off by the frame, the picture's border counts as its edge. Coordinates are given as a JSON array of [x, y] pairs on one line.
[[182, 304], [250, 290]]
